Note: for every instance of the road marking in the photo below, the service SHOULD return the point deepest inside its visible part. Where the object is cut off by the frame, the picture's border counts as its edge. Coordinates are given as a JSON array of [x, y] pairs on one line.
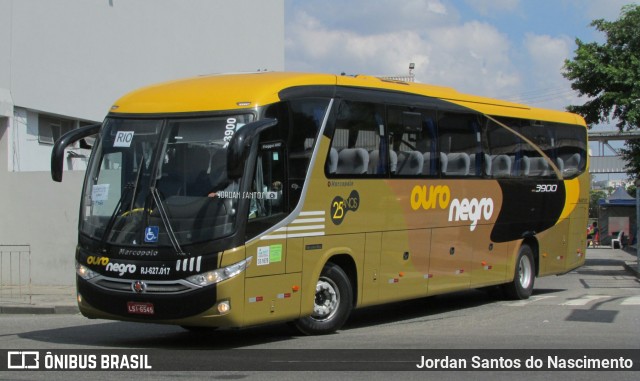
[[532, 299], [631, 301], [584, 300]]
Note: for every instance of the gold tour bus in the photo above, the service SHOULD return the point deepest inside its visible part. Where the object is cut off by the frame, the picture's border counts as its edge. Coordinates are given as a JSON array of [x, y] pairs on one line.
[[236, 200]]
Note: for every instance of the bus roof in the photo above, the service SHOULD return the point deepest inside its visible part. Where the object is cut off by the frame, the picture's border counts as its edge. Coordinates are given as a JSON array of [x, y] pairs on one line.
[[249, 90]]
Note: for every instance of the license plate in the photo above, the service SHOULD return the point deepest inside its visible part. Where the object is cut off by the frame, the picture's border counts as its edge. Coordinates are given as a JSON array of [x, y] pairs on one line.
[[140, 308]]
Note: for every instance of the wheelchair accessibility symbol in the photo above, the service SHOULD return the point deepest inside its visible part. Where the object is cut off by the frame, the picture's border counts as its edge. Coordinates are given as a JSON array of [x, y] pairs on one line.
[[151, 234]]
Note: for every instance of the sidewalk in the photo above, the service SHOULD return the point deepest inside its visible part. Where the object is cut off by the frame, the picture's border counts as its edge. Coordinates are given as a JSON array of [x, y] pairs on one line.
[[631, 263], [38, 300], [62, 299]]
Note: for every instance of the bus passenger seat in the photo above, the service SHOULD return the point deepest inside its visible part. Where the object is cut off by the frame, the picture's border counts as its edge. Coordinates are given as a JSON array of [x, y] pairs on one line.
[[525, 165], [197, 171], [393, 161], [218, 167], [538, 166], [560, 164], [374, 159], [571, 164], [486, 162], [426, 168], [500, 166], [444, 162], [332, 161], [353, 161], [458, 164], [410, 163], [171, 181]]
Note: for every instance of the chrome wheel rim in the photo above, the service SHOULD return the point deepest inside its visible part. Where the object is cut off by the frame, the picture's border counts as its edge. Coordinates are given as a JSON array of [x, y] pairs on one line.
[[327, 299], [525, 271]]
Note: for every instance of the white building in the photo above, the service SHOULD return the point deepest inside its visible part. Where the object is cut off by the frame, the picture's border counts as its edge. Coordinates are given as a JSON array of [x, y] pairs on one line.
[[63, 63]]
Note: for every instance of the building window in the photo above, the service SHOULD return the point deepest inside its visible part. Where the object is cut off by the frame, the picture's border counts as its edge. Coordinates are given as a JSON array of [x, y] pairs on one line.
[[50, 128]]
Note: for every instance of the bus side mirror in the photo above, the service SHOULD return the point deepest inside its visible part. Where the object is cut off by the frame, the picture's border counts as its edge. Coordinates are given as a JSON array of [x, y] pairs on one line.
[[241, 143], [57, 154]]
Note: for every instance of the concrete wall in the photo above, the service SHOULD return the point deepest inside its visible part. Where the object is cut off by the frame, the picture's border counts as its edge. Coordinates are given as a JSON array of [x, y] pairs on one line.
[[40, 213], [74, 58]]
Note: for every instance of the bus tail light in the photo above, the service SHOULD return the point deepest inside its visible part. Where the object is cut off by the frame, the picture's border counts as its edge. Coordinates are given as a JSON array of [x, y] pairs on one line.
[[217, 276]]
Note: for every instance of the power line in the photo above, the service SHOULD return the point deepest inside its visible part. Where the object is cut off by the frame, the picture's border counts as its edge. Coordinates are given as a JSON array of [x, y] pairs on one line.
[[532, 92], [540, 96]]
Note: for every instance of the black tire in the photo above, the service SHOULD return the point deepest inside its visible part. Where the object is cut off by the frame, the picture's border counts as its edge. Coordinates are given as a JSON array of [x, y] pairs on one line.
[[525, 273], [333, 303]]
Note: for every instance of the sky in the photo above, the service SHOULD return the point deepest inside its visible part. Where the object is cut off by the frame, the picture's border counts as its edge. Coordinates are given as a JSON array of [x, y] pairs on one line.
[[508, 49]]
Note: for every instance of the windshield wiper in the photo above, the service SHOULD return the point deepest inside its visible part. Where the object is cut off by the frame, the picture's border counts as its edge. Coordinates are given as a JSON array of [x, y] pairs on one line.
[[116, 211], [125, 191], [135, 186], [166, 222]]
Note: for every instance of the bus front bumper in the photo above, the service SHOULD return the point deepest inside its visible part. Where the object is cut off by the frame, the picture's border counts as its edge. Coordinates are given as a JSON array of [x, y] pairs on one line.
[[217, 305]]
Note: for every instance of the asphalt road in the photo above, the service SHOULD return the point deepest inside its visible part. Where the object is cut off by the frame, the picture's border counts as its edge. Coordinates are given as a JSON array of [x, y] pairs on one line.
[[595, 307]]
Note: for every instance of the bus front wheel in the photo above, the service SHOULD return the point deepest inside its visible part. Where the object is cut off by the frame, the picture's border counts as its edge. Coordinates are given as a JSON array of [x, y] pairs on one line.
[[522, 285], [332, 303]]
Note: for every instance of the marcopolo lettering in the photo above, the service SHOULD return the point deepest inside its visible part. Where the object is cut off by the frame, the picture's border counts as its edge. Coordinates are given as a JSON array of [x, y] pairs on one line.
[[471, 210], [121, 268], [139, 253]]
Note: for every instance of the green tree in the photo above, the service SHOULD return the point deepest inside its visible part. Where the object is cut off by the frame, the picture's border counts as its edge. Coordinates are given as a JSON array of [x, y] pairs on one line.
[[594, 196], [631, 153], [609, 75]]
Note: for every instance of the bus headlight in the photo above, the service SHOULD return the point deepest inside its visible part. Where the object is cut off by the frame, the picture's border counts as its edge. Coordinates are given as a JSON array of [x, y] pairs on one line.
[[219, 275], [84, 272]]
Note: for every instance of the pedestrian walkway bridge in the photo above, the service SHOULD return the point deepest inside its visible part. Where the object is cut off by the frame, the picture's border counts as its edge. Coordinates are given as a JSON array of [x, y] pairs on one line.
[[601, 163]]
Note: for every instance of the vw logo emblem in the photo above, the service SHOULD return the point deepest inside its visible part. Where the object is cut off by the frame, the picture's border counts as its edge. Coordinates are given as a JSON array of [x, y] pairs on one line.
[[139, 287]]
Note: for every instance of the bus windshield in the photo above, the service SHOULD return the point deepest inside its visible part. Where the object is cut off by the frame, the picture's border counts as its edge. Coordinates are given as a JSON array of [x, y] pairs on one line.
[[156, 181]]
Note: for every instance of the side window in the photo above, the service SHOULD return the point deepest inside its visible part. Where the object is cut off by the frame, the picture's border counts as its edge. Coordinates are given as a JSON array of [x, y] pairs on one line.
[[525, 159], [570, 144], [109, 183], [266, 191], [299, 124], [507, 152], [563, 144], [412, 136], [359, 146], [306, 119], [268, 179], [459, 141], [50, 128], [540, 135]]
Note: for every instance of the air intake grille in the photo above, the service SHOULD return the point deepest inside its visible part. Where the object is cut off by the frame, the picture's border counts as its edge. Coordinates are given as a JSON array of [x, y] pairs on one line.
[[152, 287]]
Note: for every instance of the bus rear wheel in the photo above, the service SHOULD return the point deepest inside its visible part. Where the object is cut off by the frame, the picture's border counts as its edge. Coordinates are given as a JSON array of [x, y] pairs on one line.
[[522, 285], [332, 303]]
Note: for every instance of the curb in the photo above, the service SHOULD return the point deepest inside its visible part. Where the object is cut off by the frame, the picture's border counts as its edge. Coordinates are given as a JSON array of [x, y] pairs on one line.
[[632, 267], [35, 310]]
